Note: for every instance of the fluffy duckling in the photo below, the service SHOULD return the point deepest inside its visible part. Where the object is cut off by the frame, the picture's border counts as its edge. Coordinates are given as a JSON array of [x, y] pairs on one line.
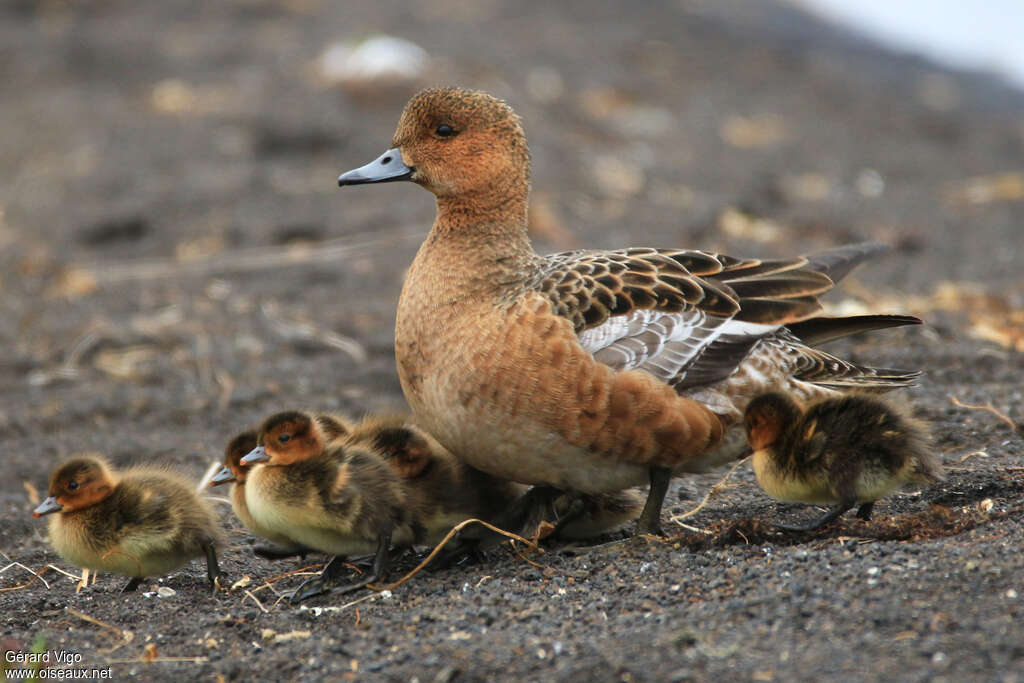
[[138, 523], [838, 451], [233, 472], [442, 491], [332, 497], [590, 371]]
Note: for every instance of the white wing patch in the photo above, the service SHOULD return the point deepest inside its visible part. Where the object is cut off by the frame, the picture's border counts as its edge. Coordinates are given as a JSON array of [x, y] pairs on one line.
[[663, 344]]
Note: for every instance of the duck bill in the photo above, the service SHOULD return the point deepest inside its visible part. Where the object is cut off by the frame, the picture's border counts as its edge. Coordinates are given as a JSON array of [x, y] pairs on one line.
[[48, 506], [223, 477], [258, 454], [387, 168]]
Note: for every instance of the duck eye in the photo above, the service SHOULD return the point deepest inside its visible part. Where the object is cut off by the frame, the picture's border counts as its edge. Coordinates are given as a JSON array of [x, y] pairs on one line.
[[445, 131], [72, 485], [284, 438]]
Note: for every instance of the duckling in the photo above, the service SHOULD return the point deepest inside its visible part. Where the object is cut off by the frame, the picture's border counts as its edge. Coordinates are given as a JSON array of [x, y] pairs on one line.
[[235, 473], [138, 523], [839, 451], [442, 490], [329, 496]]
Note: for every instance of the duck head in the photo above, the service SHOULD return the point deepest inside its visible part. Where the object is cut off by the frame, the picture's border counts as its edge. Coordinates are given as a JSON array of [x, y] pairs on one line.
[[455, 143], [237, 448], [286, 438], [767, 418], [77, 484]]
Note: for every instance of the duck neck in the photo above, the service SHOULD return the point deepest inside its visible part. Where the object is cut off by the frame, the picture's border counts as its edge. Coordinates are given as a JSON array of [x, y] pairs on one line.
[[489, 232]]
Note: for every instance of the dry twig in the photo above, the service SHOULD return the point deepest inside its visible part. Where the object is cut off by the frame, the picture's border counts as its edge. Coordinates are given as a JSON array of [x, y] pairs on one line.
[[988, 407], [433, 553], [714, 490]]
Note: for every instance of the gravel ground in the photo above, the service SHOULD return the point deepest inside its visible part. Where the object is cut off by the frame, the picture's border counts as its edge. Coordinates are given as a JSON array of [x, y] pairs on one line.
[[176, 262]]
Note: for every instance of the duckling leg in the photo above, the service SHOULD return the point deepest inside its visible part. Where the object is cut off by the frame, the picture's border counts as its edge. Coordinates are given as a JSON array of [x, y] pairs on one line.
[[132, 584], [829, 517], [212, 568], [380, 565], [331, 574], [278, 552], [864, 511], [650, 519]]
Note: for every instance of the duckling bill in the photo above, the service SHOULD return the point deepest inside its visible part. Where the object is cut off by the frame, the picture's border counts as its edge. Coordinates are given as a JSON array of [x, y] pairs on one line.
[[841, 451], [137, 523], [234, 473]]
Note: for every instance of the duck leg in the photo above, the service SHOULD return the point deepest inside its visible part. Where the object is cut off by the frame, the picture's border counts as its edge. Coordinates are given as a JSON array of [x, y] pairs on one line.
[[650, 519], [212, 568], [132, 584], [331, 574], [829, 517], [864, 511]]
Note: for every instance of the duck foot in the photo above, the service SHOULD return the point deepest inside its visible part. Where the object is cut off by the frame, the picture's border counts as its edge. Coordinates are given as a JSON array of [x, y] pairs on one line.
[[279, 552], [329, 578], [132, 584], [829, 517], [649, 521]]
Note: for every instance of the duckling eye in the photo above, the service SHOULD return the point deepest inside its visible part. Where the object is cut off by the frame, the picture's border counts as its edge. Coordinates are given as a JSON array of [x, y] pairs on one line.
[[444, 131], [72, 485], [284, 438]]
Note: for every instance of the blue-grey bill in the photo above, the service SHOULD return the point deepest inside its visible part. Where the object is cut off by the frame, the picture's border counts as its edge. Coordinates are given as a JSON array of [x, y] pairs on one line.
[[387, 168]]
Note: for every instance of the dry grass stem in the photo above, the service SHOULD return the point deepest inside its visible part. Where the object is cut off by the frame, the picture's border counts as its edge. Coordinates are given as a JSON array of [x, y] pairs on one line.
[[433, 553], [242, 260], [714, 490], [988, 407]]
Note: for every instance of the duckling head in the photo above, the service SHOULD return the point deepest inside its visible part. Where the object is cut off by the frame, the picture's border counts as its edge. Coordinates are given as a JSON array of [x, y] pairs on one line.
[[286, 438], [237, 448], [77, 484], [409, 449], [767, 418], [454, 142]]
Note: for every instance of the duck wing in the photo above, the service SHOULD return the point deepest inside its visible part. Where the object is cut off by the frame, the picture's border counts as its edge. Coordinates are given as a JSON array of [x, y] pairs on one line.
[[686, 317]]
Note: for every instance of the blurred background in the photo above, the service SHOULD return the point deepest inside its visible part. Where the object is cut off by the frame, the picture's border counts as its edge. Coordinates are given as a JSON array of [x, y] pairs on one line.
[[174, 249]]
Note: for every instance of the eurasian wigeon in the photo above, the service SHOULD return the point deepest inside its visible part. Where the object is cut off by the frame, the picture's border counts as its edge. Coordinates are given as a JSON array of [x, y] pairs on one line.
[[234, 473], [838, 451], [589, 371], [138, 523], [326, 496]]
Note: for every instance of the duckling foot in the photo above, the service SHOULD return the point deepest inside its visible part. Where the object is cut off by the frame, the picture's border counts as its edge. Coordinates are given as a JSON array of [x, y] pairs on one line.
[[331, 574], [829, 517], [132, 584], [864, 511], [212, 568], [279, 552], [650, 519]]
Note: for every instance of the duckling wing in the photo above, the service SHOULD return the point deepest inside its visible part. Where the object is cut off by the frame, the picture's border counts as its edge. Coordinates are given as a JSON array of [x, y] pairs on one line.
[[686, 317]]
